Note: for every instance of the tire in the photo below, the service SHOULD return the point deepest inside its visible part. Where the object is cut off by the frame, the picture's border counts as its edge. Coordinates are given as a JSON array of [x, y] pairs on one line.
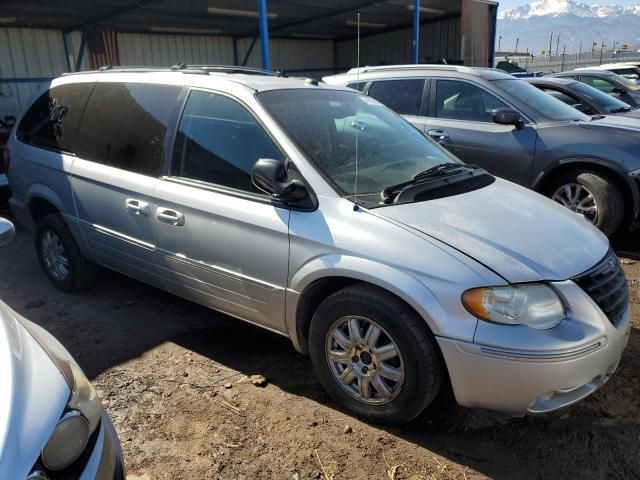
[[419, 360], [52, 233], [609, 201]]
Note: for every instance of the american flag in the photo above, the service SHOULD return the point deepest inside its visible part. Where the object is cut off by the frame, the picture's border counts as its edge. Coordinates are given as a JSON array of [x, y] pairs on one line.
[[103, 48]]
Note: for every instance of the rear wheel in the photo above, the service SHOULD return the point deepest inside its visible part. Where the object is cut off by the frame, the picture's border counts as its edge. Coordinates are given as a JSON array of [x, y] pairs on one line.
[[60, 257], [592, 194], [374, 355]]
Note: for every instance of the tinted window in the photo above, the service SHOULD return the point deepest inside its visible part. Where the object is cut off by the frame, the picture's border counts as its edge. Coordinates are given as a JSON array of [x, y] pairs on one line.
[[561, 96], [125, 124], [219, 141], [464, 101], [53, 119], [544, 104], [401, 96], [631, 73], [606, 102], [599, 83], [357, 85]]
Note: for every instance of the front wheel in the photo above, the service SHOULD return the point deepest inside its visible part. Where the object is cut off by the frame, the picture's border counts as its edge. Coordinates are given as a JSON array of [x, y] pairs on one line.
[[593, 195], [374, 355]]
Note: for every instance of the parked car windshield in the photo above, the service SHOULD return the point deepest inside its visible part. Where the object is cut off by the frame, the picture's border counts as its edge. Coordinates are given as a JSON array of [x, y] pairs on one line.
[[545, 104], [607, 102], [325, 125]]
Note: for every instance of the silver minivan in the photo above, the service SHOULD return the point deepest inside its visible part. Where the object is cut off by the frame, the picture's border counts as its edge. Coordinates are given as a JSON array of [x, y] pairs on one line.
[[319, 214]]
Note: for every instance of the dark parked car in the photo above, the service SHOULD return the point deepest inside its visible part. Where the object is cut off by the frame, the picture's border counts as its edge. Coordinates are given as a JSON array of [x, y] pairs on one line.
[[486, 117], [608, 82], [583, 97]]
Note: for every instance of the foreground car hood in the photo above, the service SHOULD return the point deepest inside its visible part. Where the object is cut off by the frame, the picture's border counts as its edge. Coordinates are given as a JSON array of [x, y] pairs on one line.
[[33, 395], [520, 235]]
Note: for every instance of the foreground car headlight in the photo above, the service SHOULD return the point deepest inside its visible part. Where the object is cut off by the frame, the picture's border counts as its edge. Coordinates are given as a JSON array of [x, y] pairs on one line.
[[72, 432], [535, 305], [82, 413]]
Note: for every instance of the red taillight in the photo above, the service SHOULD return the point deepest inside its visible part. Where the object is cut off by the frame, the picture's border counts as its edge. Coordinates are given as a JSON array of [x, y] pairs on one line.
[[6, 159]]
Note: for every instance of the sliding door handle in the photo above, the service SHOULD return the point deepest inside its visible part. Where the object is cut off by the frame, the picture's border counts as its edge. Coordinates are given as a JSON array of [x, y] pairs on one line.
[[137, 206], [170, 217]]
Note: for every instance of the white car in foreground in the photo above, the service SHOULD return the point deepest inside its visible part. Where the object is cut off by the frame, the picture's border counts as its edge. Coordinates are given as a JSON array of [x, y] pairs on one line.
[[52, 424]]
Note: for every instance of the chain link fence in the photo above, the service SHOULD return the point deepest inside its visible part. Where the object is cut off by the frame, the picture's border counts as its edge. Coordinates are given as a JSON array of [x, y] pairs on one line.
[[563, 62]]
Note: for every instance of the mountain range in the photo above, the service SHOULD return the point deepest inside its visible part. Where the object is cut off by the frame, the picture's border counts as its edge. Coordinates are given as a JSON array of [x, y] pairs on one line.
[[576, 23]]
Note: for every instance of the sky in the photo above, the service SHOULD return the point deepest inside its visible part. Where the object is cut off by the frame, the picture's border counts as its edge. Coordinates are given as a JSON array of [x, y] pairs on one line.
[[507, 4]]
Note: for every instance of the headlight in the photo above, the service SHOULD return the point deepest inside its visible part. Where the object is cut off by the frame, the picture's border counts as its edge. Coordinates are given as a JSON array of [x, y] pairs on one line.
[[83, 411], [535, 305]]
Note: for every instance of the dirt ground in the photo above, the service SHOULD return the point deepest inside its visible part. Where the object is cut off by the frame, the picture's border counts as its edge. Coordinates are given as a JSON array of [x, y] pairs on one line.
[[175, 378]]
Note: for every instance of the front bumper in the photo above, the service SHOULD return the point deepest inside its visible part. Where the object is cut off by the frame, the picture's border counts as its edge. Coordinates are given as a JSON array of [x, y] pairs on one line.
[[105, 461], [523, 381]]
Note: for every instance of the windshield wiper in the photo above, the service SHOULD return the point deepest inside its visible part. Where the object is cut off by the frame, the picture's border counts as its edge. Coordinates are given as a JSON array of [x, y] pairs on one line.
[[439, 171]]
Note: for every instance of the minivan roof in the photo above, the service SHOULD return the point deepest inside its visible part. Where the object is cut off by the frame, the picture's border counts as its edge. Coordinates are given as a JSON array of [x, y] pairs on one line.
[[255, 79], [389, 71]]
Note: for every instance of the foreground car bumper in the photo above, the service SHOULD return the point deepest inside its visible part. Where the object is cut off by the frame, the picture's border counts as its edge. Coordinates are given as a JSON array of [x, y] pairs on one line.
[[521, 382], [105, 461]]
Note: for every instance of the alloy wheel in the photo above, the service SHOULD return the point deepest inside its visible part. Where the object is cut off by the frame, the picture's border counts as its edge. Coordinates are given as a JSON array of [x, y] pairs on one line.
[[55, 255], [365, 360], [579, 199]]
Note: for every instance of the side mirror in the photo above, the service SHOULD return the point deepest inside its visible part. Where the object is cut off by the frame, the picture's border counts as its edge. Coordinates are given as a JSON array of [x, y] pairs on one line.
[[504, 116], [270, 176], [7, 231], [10, 121]]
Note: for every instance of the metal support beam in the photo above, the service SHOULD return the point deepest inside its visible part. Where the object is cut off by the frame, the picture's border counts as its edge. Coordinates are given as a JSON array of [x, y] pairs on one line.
[[235, 51], [264, 34], [492, 36], [67, 52], [416, 32], [83, 44], [249, 50]]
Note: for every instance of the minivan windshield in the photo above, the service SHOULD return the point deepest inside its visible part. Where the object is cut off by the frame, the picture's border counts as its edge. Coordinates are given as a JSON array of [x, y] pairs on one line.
[[325, 123], [545, 104], [606, 102]]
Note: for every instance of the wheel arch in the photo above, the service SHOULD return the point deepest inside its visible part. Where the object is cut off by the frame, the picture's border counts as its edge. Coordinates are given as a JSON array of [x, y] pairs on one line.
[[314, 286], [42, 200], [627, 186]]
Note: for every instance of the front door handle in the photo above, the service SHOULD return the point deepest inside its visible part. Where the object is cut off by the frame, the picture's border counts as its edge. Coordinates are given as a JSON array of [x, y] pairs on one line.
[[440, 136], [170, 217], [137, 206]]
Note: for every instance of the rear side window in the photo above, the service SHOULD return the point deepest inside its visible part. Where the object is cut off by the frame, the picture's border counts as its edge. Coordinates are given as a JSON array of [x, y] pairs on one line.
[[357, 86], [219, 142], [464, 101], [125, 124], [53, 119], [401, 96]]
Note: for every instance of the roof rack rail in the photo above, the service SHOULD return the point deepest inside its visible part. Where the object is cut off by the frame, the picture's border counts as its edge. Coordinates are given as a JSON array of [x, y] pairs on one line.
[[234, 69], [418, 66]]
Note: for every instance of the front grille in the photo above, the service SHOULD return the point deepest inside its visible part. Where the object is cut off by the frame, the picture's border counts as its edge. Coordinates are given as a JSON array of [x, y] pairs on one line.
[[607, 286]]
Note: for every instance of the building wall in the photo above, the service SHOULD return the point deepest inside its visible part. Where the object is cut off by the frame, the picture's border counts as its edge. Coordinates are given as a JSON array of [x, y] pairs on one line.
[[437, 40], [40, 55]]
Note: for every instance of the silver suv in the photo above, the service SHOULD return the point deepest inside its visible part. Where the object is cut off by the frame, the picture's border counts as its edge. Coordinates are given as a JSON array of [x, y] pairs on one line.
[[319, 214]]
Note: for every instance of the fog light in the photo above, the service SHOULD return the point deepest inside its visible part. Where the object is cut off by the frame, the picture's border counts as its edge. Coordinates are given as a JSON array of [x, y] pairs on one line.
[[67, 442]]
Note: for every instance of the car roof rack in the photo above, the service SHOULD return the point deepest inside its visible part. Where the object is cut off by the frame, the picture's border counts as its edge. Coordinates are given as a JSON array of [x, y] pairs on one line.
[[227, 69], [419, 66]]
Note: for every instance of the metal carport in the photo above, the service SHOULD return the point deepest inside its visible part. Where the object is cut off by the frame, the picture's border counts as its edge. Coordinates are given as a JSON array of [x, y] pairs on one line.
[[40, 40]]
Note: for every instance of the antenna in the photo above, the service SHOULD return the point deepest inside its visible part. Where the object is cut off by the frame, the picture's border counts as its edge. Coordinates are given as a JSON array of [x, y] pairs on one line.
[[355, 186]]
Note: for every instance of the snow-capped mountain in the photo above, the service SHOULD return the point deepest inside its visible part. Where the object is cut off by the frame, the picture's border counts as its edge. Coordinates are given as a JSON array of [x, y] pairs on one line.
[[576, 23], [556, 8]]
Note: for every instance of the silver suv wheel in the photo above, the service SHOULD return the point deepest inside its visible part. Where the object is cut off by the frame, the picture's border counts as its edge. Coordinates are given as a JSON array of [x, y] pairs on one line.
[[55, 256], [365, 360], [579, 199]]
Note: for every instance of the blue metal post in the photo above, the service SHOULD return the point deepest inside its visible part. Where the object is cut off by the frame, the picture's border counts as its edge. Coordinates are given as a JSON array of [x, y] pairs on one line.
[[416, 32], [493, 18], [264, 34], [83, 43]]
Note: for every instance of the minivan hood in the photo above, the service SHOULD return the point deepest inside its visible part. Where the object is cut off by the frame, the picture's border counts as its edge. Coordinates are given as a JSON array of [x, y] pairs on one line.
[[34, 394], [520, 235]]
